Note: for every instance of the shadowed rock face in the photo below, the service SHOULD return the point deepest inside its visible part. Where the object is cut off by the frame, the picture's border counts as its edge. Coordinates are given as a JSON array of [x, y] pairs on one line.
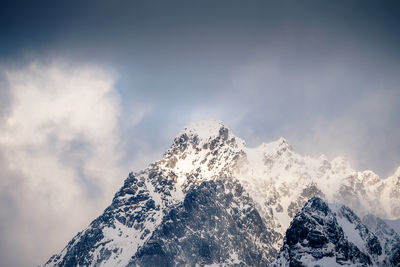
[[212, 200], [216, 223], [313, 229], [322, 232], [387, 237]]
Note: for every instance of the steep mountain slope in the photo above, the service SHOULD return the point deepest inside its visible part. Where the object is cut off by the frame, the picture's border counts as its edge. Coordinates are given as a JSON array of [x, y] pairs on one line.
[[388, 238], [332, 235], [114, 237], [274, 181], [279, 180], [216, 223]]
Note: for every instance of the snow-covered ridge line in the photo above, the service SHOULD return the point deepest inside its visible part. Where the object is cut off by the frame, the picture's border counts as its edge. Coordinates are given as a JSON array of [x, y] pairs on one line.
[[207, 130], [208, 165], [204, 129], [209, 148]]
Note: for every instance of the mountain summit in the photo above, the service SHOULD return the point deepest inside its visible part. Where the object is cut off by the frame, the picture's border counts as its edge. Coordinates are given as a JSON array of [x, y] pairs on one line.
[[213, 200]]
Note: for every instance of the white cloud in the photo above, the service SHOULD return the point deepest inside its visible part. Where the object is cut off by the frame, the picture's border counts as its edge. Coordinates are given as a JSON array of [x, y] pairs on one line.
[[59, 156]]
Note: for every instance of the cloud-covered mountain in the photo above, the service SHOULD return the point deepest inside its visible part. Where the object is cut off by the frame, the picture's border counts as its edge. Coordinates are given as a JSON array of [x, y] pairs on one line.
[[212, 200]]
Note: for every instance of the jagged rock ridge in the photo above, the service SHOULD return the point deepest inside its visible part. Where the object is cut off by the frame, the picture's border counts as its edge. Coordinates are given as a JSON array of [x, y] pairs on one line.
[[276, 183], [333, 235]]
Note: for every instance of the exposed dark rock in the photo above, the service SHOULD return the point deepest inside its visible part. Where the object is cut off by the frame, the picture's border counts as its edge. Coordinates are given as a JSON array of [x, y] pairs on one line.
[[207, 229]]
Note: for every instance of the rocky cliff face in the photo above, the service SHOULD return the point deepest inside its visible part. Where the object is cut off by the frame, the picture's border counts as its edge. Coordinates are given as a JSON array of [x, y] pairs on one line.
[[388, 238], [251, 192], [216, 223], [333, 235]]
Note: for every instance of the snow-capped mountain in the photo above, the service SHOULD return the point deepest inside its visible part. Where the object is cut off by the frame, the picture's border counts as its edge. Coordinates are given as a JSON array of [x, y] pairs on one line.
[[212, 200], [332, 235]]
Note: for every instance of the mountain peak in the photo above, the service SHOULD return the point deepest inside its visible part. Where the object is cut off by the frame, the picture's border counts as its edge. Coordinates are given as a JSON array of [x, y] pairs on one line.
[[316, 204], [204, 129], [282, 143], [325, 234], [210, 182], [279, 146], [204, 133]]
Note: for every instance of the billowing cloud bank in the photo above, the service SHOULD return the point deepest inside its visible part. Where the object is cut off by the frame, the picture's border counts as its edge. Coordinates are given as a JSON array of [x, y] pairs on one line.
[[58, 155]]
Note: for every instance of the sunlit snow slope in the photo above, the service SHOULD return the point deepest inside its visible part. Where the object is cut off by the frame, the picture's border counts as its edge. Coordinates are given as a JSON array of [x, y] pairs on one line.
[[266, 186]]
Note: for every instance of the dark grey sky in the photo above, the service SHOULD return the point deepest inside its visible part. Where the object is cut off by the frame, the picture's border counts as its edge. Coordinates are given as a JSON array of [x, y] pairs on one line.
[[324, 75]]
